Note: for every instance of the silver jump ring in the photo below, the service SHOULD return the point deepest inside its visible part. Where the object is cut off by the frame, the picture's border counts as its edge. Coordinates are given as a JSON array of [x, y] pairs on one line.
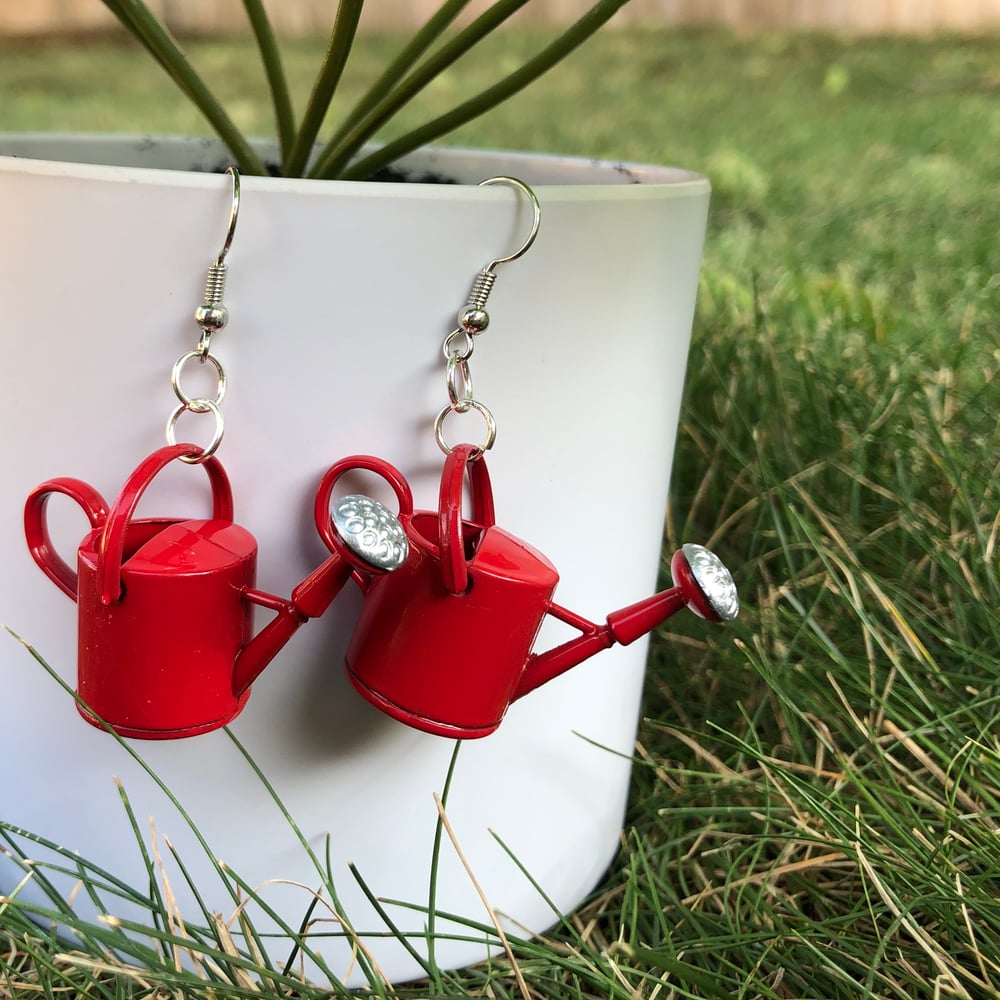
[[491, 426], [197, 406], [535, 222], [460, 383], [188, 402]]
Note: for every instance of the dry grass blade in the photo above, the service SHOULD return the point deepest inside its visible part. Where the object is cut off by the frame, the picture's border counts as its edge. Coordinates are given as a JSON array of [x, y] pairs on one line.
[[949, 786], [225, 938], [770, 877], [175, 921], [518, 975], [950, 971]]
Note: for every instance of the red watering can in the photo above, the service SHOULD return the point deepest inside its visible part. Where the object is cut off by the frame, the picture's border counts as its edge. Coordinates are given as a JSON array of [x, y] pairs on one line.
[[444, 642], [166, 647]]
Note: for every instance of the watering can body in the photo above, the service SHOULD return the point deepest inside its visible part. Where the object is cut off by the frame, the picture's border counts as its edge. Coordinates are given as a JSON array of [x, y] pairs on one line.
[[158, 662], [450, 663], [162, 609], [165, 605], [444, 644]]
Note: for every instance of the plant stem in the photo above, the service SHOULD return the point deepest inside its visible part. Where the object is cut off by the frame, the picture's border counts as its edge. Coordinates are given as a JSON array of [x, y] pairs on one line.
[[345, 144], [141, 22], [270, 55], [404, 62], [492, 96], [345, 27]]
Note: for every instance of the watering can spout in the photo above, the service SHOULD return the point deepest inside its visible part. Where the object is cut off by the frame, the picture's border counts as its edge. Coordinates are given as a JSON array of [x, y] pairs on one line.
[[701, 583], [633, 622], [543, 667], [309, 600], [365, 537]]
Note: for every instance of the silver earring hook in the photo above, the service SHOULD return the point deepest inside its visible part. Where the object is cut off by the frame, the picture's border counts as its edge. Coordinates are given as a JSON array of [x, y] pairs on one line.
[[234, 212], [473, 319], [212, 315], [535, 221]]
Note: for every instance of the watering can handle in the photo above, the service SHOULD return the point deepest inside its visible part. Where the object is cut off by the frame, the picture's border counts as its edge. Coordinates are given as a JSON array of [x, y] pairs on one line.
[[36, 529], [111, 545], [353, 463], [454, 569]]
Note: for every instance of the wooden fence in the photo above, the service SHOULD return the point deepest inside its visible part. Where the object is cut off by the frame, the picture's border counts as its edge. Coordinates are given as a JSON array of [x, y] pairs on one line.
[[40, 17]]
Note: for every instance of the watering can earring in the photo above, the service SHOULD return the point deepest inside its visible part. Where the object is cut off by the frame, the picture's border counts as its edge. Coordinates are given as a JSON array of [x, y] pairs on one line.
[[165, 605], [444, 644]]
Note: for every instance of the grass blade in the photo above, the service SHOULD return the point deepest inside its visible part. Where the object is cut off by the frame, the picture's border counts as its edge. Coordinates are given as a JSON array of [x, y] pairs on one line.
[[157, 908], [684, 971], [435, 861], [323, 870], [388, 921]]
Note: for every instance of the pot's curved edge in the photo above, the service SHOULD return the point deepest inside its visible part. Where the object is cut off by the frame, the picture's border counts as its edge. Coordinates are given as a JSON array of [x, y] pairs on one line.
[[186, 161]]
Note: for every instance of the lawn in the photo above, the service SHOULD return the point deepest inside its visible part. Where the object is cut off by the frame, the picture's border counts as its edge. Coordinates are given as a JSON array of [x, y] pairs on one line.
[[815, 809]]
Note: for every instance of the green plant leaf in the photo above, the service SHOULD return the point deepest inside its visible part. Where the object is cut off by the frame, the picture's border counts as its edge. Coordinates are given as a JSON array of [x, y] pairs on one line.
[[145, 27], [348, 140], [408, 57], [345, 27], [270, 55], [377, 906], [488, 99]]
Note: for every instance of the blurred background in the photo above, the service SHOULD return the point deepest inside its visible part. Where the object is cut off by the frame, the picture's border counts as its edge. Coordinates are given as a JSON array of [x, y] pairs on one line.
[[41, 17]]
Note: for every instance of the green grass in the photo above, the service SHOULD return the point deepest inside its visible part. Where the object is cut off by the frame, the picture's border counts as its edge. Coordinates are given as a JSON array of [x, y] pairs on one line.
[[815, 809]]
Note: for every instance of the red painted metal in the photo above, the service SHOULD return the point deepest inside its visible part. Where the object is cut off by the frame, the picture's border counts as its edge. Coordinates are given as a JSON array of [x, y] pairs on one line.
[[161, 616], [36, 528], [444, 642], [166, 606]]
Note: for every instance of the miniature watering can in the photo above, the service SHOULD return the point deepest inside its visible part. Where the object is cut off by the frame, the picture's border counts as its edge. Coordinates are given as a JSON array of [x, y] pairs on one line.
[[444, 642], [166, 647]]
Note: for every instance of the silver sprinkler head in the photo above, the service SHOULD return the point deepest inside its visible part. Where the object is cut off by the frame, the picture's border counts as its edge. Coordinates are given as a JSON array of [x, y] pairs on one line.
[[714, 580], [372, 531]]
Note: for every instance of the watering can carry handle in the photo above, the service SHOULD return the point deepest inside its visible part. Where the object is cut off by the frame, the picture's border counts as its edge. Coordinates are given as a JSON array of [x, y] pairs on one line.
[[368, 463], [462, 458], [111, 545], [36, 529]]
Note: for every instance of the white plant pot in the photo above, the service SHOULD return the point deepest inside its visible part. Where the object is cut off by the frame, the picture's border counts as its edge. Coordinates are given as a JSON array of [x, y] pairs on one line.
[[340, 296]]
